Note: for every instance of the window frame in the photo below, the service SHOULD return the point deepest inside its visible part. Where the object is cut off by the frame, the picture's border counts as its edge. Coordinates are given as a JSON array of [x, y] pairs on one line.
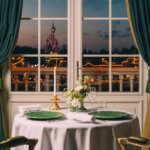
[[110, 55], [74, 22]]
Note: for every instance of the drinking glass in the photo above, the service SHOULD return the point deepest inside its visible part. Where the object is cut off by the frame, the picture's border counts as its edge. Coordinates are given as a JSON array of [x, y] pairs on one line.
[[65, 98], [92, 95]]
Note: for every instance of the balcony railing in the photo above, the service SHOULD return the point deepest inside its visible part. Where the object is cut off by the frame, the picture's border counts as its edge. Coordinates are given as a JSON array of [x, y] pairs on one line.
[[123, 78]]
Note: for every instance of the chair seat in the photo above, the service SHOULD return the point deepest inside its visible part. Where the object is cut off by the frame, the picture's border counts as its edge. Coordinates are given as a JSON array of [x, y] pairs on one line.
[[138, 140]]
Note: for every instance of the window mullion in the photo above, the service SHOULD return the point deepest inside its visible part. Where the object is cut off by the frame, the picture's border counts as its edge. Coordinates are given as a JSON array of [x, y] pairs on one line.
[[39, 42], [110, 46], [78, 36], [70, 55]]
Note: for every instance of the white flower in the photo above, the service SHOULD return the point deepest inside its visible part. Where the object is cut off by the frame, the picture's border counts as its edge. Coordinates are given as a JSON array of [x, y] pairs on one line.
[[85, 87], [75, 102], [78, 88], [68, 101], [86, 78]]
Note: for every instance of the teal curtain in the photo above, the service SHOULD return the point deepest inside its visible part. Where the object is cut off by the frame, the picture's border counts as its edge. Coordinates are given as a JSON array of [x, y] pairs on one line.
[[10, 14], [139, 19]]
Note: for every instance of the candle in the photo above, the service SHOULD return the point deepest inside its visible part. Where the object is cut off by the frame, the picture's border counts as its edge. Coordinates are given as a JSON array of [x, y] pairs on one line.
[[54, 81]]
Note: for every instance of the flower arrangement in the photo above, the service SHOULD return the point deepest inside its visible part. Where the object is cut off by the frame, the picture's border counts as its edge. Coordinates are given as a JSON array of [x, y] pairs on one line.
[[77, 95]]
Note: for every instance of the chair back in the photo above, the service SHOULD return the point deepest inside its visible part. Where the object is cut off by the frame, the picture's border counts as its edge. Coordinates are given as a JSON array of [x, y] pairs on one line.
[[134, 141], [18, 141]]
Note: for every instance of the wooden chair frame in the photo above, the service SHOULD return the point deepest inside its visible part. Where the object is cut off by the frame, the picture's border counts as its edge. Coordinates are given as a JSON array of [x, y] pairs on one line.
[[18, 141], [126, 141]]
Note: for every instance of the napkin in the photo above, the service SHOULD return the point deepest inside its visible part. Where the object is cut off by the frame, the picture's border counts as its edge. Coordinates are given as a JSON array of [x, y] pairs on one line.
[[27, 108], [81, 117]]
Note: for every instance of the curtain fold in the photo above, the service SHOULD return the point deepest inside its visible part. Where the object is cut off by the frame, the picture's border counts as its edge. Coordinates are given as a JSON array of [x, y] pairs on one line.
[[10, 15], [138, 12]]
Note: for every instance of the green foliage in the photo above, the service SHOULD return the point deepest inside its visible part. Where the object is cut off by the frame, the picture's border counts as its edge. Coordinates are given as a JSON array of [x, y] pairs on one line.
[[81, 90]]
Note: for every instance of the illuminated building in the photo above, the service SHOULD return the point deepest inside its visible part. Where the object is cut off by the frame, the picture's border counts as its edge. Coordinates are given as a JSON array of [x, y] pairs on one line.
[[52, 46]]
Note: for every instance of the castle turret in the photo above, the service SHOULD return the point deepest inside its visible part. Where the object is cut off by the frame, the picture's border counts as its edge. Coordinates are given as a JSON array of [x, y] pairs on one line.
[[52, 46]]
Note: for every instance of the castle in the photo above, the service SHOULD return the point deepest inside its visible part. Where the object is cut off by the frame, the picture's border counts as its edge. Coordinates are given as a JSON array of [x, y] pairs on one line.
[[52, 46]]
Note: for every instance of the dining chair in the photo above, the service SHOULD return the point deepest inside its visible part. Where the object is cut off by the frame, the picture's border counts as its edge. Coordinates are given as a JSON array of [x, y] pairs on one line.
[[18, 141], [134, 141]]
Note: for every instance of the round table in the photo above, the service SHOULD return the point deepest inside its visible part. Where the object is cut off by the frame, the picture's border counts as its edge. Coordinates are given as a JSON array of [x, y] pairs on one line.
[[66, 134]]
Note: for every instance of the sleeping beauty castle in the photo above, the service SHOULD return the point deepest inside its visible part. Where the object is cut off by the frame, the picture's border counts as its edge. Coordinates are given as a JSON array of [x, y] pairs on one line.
[[52, 46]]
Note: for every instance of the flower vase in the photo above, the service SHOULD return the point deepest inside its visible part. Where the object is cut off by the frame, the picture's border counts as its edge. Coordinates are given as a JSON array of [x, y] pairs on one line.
[[82, 108], [73, 109]]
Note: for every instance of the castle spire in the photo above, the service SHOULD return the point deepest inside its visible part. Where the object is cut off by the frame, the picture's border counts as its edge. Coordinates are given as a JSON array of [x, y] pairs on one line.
[[53, 29], [52, 45]]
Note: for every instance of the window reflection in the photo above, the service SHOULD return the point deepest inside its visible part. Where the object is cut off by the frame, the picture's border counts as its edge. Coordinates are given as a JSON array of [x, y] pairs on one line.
[[54, 8], [125, 74], [47, 68], [95, 8], [97, 69], [122, 42], [54, 37], [95, 37], [119, 8], [28, 38], [30, 8], [24, 74]]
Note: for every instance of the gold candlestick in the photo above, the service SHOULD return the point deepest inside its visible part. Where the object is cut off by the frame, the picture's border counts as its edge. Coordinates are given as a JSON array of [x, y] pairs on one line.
[[55, 105]]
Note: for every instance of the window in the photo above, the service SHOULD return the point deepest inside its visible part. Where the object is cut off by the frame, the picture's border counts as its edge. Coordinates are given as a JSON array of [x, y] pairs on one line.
[[109, 55], [42, 44], [82, 37]]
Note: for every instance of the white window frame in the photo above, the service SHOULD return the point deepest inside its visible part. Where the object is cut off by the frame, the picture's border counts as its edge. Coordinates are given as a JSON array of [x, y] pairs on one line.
[[78, 30], [74, 44]]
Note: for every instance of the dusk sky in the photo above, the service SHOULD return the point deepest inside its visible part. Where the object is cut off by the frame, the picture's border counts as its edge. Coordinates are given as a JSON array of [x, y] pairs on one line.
[[95, 33]]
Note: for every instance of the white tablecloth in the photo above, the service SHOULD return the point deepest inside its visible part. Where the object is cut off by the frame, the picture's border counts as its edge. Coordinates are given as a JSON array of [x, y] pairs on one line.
[[71, 135]]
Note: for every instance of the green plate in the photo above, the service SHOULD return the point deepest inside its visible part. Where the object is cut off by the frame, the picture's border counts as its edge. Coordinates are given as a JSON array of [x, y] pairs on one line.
[[110, 115], [43, 115]]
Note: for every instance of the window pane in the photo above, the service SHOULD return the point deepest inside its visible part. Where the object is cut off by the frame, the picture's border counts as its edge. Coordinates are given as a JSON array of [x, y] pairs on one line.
[[47, 72], [98, 70], [122, 42], [95, 37], [54, 37], [54, 8], [95, 8], [28, 38], [118, 8], [125, 74], [24, 74], [30, 8]]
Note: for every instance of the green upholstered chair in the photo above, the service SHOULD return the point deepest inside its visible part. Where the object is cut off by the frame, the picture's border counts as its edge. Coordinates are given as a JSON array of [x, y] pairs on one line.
[[18, 141], [134, 141]]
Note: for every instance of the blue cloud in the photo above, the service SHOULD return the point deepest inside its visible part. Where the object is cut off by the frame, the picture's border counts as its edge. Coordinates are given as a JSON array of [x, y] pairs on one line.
[[86, 34], [106, 36], [117, 33], [128, 29]]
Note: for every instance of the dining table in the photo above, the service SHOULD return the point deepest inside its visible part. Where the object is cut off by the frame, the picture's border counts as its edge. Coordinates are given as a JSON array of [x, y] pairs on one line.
[[66, 134]]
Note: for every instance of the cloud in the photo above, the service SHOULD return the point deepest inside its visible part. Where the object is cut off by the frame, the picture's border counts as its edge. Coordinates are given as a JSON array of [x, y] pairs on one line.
[[103, 34], [117, 33], [121, 35], [86, 34], [116, 22], [99, 33], [106, 36], [128, 29]]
